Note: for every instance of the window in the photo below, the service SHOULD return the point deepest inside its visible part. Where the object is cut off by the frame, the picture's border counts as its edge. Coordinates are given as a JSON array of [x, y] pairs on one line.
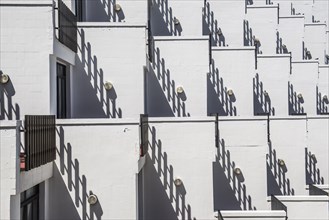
[[30, 204], [61, 91]]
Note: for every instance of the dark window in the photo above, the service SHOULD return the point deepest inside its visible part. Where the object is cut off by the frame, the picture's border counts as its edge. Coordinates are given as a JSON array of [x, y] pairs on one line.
[[61, 91], [78, 9], [30, 204]]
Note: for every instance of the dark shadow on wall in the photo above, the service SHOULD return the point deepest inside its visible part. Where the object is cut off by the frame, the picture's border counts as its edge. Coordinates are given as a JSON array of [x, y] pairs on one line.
[[322, 104], [8, 111], [280, 47], [247, 34], [218, 100], [230, 192], [163, 199], [92, 100], [75, 182], [295, 103], [312, 172], [163, 22], [210, 27], [104, 11], [262, 100], [277, 181], [163, 99]]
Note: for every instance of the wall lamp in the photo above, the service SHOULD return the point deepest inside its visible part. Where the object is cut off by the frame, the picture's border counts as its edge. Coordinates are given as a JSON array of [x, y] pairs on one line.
[[108, 85], [176, 21], [325, 98], [4, 78], [281, 163], [313, 156], [265, 93], [179, 89], [117, 7], [230, 92], [237, 171], [299, 95], [92, 199], [308, 54], [219, 32], [178, 181]]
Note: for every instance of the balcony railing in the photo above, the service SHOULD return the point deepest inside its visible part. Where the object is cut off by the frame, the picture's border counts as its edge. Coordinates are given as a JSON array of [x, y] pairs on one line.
[[40, 141]]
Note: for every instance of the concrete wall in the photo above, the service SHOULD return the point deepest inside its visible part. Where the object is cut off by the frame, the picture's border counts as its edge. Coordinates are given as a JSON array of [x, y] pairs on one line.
[[9, 170], [315, 40], [239, 78], [274, 81], [303, 80], [109, 52], [263, 21], [25, 58], [184, 149], [163, 14], [288, 142], [178, 61], [132, 11], [112, 148], [236, 150], [292, 39]]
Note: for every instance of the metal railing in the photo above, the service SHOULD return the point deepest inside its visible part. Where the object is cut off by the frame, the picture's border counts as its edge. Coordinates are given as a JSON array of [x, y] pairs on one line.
[[40, 141]]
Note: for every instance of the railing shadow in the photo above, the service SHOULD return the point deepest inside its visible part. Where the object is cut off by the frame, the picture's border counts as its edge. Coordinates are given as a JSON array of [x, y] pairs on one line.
[[176, 101], [170, 26], [76, 182], [321, 104], [277, 181], [295, 103], [312, 172], [211, 27], [218, 99], [230, 193], [170, 198], [104, 100], [247, 34], [8, 110], [262, 100], [280, 47]]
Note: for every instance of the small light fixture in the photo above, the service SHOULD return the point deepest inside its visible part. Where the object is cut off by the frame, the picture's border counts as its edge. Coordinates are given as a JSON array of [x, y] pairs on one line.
[[92, 199], [299, 95], [284, 46], [179, 89], [219, 32], [308, 54], [178, 181], [281, 163], [313, 156], [237, 171], [256, 40], [325, 98], [4, 78], [117, 7], [176, 21], [265, 93], [108, 85], [230, 92]]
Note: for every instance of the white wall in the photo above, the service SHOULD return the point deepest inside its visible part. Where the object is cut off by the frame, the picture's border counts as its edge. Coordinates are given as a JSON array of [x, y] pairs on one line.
[[288, 137], [293, 39], [236, 69], [164, 12], [132, 11], [230, 16], [263, 21], [104, 162], [25, 58], [178, 61], [109, 52], [315, 40], [245, 142], [9, 170], [274, 81], [303, 80], [184, 149]]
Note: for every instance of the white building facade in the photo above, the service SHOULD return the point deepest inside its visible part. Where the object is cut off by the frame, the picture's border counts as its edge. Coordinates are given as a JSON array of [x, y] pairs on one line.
[[165, 109]]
